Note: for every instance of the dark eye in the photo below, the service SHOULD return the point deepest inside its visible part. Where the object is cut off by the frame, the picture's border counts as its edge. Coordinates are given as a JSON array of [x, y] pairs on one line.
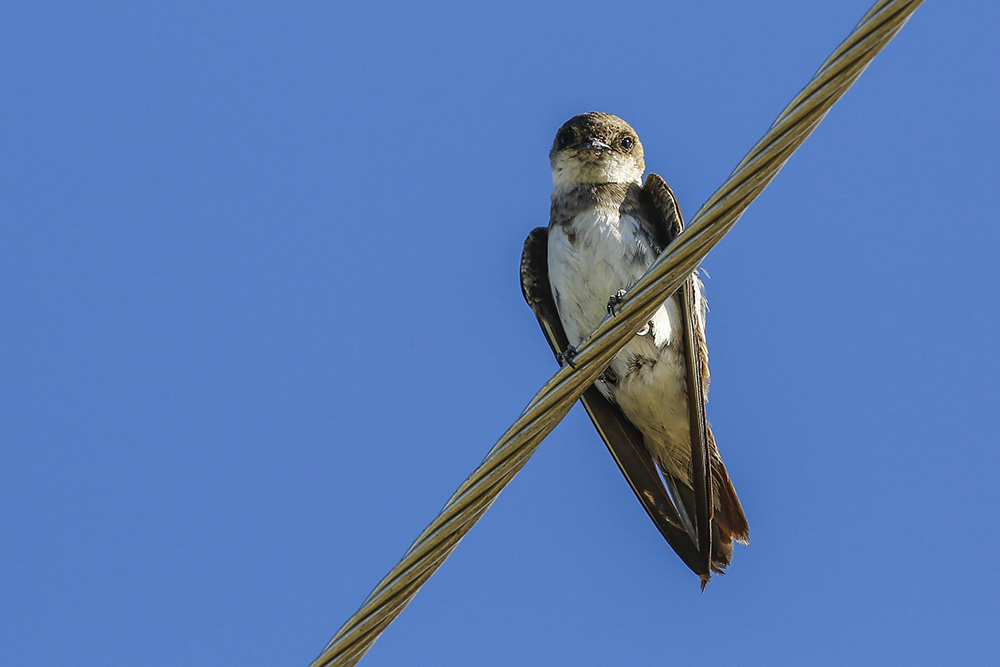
[[627, 143], [563, 139]]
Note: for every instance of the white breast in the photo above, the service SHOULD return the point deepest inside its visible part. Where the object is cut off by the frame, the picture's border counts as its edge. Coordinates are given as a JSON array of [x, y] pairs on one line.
[[599, 253], [590, 259]]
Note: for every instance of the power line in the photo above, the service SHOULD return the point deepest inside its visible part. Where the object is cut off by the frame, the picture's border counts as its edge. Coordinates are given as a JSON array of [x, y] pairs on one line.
[[712, 221]]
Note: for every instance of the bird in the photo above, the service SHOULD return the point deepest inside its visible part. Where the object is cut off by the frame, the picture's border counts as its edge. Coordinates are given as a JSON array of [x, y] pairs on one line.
[[606, 227]]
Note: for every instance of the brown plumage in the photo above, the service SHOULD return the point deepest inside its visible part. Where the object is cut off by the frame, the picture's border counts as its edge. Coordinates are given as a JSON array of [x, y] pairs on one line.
[[691, 498]]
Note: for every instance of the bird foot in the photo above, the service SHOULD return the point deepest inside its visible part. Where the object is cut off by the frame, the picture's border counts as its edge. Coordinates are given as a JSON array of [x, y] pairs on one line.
[[566, 356], [615, 299]]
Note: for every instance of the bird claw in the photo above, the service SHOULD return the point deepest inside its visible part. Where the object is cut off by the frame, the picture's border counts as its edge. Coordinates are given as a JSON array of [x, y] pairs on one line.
[[566, 356], [615, 299]]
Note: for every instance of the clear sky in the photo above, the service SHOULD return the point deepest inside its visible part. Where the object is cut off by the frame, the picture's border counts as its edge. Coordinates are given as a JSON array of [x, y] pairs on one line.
[[260, 316]]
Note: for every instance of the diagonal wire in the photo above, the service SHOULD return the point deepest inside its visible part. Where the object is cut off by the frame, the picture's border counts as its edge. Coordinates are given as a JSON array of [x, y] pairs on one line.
[[712, 221]]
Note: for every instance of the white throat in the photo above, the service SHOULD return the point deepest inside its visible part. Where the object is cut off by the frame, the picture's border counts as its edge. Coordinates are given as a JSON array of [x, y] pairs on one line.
[[570, 171]]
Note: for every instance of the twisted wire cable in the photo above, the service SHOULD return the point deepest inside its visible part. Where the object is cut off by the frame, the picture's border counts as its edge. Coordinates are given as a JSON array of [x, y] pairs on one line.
[[712, 221]]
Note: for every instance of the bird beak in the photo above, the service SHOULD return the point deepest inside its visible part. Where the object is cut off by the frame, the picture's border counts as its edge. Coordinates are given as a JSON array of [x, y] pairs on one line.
[[594, 144]]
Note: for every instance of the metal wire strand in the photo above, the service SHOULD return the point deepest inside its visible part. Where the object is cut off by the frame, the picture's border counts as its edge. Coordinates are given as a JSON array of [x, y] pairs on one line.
[[712, 221]]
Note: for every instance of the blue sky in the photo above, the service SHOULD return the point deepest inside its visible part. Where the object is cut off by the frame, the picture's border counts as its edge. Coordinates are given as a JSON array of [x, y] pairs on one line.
[[260, 316]]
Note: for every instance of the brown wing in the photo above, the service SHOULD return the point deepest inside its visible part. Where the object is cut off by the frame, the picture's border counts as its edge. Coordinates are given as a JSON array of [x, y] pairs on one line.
[[623, 440], [711, 484]]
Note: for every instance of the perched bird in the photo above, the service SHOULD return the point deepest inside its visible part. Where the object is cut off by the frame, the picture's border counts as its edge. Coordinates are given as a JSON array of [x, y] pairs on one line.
[[606, 228]]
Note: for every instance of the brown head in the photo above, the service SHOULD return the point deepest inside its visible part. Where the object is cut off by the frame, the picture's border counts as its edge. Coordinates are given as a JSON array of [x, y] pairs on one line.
[[596, 148]]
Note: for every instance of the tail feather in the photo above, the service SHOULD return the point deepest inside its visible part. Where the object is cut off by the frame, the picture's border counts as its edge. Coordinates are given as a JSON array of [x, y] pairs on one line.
[[729, 523], [729, 512], [722, 536]]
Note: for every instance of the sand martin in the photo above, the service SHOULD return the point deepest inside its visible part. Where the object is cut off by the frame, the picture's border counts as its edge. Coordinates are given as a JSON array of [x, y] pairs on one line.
[[606, 228]]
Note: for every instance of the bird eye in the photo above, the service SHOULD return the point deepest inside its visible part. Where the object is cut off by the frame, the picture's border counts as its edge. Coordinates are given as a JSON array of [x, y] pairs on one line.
[[627, 143], [563, 138]]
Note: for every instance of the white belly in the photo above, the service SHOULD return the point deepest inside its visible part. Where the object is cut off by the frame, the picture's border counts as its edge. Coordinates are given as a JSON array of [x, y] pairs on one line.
[[597, 255]]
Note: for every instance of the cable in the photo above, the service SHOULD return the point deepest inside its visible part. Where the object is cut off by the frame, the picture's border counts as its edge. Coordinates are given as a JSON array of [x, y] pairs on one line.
[[712, 221]]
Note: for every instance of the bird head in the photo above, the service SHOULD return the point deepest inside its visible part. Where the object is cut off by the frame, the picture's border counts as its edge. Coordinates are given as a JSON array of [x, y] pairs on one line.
[[596, 148]]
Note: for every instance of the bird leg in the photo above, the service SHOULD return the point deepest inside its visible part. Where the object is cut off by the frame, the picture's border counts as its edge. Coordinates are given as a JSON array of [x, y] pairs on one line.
[[615, 299], [566, 356]]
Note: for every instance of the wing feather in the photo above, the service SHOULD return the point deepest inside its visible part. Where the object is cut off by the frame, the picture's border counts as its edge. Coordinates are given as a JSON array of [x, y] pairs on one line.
[[620, 436], [711, 484]]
